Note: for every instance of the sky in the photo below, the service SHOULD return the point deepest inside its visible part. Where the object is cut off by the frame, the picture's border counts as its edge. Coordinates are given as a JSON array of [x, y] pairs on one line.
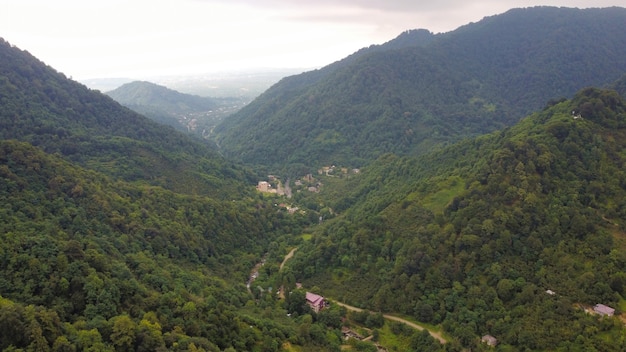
[[145, 38]]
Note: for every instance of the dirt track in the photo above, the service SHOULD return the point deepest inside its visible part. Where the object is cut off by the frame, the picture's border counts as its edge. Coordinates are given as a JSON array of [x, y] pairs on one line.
[[287, 257], [394, 318], [386, 316]]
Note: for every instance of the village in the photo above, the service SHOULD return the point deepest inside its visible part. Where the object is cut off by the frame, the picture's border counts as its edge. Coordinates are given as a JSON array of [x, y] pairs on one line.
[[307, 182]]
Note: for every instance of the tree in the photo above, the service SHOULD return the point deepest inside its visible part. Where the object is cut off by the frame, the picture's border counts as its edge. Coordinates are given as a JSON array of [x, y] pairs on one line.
[[62, 344], [124, 333], [295, 302], [149, 335]]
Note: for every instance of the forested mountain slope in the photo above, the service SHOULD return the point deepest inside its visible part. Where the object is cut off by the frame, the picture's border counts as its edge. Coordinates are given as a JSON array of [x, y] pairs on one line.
[[185, 112], [95, 255], [42, 107], [472, 237], [150, 94], [89, 263], [405, 98]]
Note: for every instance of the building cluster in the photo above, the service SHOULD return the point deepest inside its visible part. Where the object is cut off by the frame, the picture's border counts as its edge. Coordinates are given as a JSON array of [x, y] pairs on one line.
[[333, 170]]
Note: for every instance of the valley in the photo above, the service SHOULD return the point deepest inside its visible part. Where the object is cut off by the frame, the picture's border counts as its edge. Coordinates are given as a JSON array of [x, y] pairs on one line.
[[438, 192]]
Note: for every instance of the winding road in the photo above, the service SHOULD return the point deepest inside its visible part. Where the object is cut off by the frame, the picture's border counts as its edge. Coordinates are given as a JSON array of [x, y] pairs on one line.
[[434, 334]]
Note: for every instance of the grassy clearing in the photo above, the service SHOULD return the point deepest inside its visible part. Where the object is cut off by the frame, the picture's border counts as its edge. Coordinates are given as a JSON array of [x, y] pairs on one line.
[[446, 191], [393, 342]]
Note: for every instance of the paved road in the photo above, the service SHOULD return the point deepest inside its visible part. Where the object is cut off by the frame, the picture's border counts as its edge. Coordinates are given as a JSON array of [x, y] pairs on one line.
[[394, 318]]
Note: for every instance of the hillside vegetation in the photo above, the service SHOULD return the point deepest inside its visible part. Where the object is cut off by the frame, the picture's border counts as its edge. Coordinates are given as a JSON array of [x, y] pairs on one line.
[[120, 234], [88, 263], [188, 113], [42, 107], [423, 90], [473, 236]]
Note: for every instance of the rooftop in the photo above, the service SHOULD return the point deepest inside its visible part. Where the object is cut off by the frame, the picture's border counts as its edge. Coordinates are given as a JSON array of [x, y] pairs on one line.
[[312, 297]]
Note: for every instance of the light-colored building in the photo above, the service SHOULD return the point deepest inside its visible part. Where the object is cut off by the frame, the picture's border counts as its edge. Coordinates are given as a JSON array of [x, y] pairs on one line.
[[603, 310], [489, 340]]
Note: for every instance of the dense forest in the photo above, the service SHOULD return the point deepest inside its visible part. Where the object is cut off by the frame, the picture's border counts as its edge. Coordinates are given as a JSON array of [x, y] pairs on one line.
[[472, 237], [421, 91], [93, 264], [120, 234], [44, 108]]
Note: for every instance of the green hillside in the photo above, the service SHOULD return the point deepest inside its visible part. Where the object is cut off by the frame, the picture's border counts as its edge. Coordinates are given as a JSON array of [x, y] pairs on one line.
[[189, 113], [421, 91], [89, 263], [489, 199], [42, 107], [120, 235], [470, 238]]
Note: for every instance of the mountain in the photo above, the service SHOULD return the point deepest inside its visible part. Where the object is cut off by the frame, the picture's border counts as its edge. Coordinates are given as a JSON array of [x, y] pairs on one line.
[[96, 264], [512, 234], [42, 107], [189, 113], [422, 90], [120, 234]]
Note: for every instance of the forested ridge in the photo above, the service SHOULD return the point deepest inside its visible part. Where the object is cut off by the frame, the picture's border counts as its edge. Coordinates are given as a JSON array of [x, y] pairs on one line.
[[473, 236], [121, 235], [188, 113], [143, 93], [92, 264], [44, 108], [419, 91]]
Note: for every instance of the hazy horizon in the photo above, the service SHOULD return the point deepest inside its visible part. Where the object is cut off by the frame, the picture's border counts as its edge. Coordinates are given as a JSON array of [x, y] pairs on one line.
[[141, 38]]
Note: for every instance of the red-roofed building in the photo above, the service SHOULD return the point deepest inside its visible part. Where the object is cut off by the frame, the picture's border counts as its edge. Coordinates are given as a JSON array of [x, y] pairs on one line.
[[316, 302]]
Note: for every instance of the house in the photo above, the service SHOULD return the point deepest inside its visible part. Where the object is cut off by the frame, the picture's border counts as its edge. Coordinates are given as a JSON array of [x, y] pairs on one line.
[[489, 340], [263, 186], [603, 310], [316, 302], [550, 292]]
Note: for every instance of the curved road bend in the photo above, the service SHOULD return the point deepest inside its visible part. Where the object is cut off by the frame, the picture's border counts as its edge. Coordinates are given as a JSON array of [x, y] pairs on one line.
[[434, 334], [394, 318]]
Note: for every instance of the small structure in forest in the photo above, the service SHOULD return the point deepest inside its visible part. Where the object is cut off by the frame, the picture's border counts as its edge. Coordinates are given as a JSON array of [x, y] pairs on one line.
[[489, 340], [603, 310]]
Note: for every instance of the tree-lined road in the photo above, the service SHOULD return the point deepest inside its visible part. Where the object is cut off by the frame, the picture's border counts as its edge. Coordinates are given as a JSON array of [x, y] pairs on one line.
[[434, 334]]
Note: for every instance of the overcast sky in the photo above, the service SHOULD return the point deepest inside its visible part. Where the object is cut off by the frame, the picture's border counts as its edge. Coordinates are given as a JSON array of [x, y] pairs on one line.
[[144, 38]]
